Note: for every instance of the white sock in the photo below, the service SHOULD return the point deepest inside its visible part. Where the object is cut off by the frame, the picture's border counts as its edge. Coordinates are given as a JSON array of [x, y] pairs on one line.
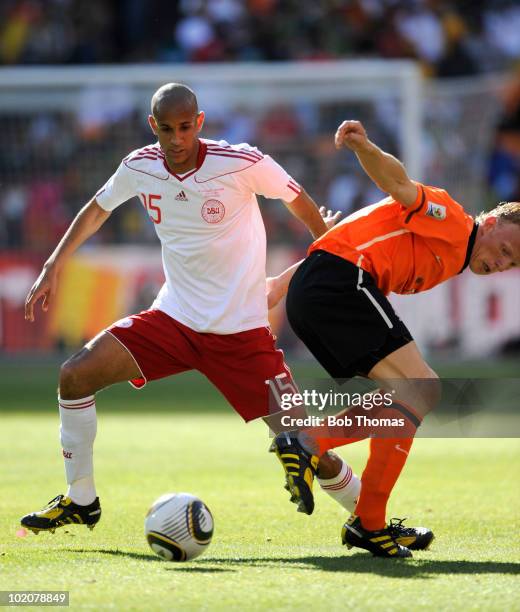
[[78, 432], [343, 488]]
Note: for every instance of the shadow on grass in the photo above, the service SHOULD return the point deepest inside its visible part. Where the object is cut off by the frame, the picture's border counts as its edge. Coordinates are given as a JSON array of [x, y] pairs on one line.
[[116, 553], [151, 558], [362, 563], [196, 569]]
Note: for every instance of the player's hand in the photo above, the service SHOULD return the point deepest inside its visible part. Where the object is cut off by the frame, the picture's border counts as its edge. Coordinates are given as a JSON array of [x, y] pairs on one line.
[[329, 218], [43, 288], [351, 134], [275, 291]]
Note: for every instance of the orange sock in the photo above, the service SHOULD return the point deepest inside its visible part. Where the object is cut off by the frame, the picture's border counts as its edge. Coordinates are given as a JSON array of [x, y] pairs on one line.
[[386, 460], [322, 439], [389, 448]]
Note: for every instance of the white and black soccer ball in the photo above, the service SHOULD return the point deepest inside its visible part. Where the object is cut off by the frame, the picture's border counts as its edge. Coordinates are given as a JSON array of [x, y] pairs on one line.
[[178, 526]]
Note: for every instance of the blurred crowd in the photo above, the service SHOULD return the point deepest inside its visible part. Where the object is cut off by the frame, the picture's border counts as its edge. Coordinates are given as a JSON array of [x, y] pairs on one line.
[[72, 153], [504, 171], [54, 161], [449, 37]]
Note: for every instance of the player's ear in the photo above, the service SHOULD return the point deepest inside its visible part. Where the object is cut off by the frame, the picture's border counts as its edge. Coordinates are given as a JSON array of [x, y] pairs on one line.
[[153, 124], [489, 222], [200, 120]]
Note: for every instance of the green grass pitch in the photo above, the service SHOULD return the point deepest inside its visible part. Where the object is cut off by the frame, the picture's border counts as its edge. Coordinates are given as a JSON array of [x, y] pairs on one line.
[[264, 555]]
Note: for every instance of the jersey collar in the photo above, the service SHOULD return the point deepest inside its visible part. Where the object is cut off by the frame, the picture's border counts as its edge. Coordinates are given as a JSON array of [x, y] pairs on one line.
[[203, 148], [471, 244]]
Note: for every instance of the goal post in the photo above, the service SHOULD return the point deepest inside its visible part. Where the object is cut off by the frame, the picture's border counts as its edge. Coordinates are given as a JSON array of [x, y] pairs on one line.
[[256, 86]]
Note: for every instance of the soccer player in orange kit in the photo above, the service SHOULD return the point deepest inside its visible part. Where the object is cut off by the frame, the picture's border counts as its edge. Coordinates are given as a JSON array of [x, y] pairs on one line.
[[414, 239]]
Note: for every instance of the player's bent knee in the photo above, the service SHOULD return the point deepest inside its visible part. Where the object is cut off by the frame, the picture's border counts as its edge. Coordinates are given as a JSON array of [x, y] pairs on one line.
[[431, 389], [74, 380]]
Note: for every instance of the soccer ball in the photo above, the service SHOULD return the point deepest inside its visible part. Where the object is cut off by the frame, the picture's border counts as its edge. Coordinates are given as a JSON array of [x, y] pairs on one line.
[[178, 526]]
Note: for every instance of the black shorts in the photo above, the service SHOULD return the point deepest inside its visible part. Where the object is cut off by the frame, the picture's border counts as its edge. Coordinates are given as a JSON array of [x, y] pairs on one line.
[[338, 312]]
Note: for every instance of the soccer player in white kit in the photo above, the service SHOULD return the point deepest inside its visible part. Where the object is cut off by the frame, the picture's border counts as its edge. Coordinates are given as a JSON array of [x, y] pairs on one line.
[[211, 313]]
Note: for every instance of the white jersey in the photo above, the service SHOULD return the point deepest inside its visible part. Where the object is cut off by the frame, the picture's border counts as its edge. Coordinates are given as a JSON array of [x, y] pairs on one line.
[[210, 227]]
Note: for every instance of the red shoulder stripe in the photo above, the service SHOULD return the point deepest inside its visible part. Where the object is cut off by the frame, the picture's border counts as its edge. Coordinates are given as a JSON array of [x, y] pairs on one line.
[[140, 154], [151, 156], [218, 154], [226, 146], [252, 154], [149, 150], [241, 151]]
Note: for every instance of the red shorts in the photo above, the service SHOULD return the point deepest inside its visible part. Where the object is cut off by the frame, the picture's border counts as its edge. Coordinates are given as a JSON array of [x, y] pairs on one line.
[[239, 365]]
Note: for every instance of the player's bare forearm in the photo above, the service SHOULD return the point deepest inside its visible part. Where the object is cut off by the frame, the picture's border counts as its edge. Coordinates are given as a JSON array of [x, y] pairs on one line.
[[89, 219], [387, 172], [304, 208], [86, 223], [277, 285]]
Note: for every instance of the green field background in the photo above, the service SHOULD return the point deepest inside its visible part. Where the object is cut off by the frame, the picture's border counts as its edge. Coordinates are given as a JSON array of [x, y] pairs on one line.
[[31, 386], [179, 435]]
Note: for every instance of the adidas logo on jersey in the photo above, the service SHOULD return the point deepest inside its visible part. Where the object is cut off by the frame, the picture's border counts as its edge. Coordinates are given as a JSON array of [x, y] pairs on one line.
[[181, 197]]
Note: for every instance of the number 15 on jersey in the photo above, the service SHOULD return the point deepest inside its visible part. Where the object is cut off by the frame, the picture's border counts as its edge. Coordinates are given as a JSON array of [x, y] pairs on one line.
[[154, 212]]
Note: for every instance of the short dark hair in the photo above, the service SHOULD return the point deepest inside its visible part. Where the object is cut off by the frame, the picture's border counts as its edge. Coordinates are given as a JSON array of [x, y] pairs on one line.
[[173, 94]]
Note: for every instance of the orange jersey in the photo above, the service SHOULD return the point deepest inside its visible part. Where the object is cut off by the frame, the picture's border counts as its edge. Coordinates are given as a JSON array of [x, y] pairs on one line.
[[406, 250]]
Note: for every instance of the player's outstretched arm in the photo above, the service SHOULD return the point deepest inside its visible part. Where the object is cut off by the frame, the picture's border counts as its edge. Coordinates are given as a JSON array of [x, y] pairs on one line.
[[387, 172], [305, 209], [89, 219]]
